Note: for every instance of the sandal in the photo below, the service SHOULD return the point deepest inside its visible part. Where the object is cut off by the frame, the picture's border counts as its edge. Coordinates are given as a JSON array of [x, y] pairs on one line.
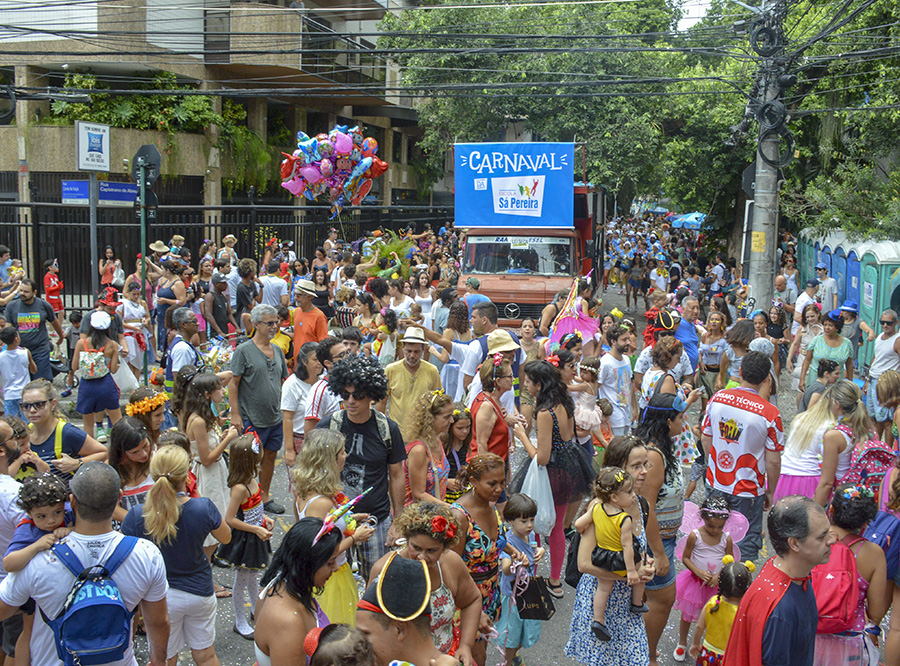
[[222, 592], [556, 591]]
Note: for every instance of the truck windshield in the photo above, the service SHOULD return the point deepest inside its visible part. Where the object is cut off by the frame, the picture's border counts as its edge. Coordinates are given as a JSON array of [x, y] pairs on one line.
[[528, 255]]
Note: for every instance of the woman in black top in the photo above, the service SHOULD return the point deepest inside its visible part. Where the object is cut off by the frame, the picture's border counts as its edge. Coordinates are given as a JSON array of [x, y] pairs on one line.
[[322, 299]]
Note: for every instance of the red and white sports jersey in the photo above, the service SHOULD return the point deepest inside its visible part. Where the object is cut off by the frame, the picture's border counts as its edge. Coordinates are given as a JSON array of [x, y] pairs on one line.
[[743, 427]]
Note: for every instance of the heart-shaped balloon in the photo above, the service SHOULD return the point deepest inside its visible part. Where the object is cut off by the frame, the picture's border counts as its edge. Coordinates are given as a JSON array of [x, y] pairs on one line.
[[378, 168]]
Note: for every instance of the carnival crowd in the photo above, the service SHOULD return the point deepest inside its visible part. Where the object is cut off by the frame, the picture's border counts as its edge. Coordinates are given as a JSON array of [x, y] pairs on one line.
[[657, 464]]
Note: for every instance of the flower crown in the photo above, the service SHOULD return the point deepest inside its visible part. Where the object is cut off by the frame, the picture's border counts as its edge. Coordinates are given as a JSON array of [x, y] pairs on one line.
[[146, 405], [855, 492]]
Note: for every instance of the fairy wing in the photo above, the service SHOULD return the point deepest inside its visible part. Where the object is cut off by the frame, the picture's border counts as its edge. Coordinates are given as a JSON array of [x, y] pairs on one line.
[[736, 526], [689, 523]]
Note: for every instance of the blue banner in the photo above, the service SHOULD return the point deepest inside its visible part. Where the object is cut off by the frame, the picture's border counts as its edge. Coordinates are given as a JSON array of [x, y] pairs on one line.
[[514, 184], [77, 193]]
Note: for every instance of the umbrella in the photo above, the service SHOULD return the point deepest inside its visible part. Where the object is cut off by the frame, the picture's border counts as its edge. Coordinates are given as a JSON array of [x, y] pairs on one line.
[[692, 220], [659, 210]]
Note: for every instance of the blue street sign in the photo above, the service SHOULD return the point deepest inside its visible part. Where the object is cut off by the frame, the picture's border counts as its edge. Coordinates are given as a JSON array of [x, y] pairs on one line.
[[76, 193], [514, 184]]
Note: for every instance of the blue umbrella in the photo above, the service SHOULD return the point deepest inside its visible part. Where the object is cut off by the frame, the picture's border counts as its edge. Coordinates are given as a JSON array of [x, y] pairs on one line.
[[692, 220]]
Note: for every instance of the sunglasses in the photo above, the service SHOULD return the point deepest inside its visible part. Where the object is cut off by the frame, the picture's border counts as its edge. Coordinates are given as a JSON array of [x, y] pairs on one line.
[[270, 324], [36, 406], [888, 322], [356, 395]]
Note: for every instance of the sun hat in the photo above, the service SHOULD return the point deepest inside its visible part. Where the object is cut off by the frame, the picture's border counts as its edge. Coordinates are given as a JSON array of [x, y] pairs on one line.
[[229, 237], [501, 340], [850, 306], [413, 334], [306, 287], [159, 246]]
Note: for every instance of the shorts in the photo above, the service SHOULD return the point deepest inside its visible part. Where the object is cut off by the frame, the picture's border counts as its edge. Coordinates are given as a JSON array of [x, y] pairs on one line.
[[514, 632], [876, 411], [11, 628], [634, 283], [192, 621], [659, 582], [271, 438], [97, 395]]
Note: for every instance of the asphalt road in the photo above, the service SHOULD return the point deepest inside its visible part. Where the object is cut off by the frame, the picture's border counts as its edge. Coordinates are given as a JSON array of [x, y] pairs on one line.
[[233, 650]]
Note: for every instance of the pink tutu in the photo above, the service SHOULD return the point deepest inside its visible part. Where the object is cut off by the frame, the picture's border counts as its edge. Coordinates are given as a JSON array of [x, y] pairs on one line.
[[588, 419], [691, 595], [796, 485]]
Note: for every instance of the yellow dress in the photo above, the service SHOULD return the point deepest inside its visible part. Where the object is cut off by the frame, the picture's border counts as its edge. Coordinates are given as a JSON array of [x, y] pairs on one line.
[[340, 595], [608, 530]]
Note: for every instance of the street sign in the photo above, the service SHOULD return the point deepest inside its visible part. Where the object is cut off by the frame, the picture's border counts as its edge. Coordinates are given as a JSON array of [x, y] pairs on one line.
[[152, 159], [92, 146], [150, 206], [77, 193]]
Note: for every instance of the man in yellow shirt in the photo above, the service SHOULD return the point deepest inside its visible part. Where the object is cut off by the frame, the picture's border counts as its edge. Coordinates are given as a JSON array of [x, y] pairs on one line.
[[408, 379]]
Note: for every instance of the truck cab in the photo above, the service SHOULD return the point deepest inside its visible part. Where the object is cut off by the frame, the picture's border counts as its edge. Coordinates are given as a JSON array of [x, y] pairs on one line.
[[522, 269]]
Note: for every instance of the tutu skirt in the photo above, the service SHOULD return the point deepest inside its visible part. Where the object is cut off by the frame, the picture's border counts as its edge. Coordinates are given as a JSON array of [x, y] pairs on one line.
[[339, 597], [569, 471], [796, 485], [245, 550], [837, 650], [691, 595], [614, 560], [588, 419]]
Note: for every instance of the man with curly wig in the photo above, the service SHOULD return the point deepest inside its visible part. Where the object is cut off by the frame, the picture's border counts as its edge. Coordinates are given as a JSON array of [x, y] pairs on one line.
[[375, 450]]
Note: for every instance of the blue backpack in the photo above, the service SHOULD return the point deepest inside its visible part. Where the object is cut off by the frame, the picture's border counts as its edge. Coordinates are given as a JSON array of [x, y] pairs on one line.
[[884, 531], [94, 627]]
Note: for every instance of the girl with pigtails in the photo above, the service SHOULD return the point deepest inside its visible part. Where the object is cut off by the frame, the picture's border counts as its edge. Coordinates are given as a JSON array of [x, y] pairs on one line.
[[717, 617], [178, 525]]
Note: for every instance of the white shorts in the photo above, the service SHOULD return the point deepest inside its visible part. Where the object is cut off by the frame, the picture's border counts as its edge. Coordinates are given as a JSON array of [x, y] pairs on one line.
[[192, 621]]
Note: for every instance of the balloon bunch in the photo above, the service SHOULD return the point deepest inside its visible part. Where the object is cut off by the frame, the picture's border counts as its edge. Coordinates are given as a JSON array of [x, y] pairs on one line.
[[340, 164]]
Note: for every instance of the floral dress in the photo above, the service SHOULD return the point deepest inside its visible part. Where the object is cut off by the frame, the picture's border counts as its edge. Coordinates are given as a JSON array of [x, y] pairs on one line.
[[482, 557], [628, 646]]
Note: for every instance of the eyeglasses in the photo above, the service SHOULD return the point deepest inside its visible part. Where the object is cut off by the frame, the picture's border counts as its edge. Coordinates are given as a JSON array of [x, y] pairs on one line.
[[505, 377], [647, 465], [888, 322], [356, 395], [270, 324], [34, 406], [20, 434]]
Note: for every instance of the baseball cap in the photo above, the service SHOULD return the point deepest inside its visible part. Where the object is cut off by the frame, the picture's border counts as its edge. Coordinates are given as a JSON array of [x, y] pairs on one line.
[[812, 282], [473, 282], [821, 264], [218, 278]]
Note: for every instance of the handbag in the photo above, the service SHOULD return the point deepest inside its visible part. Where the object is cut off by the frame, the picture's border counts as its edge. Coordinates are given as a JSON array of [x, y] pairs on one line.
[[537, 486], [532, 597], [572, 574]]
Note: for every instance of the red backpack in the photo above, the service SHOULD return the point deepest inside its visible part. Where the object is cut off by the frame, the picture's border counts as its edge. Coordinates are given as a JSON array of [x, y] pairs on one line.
[[836, 586]]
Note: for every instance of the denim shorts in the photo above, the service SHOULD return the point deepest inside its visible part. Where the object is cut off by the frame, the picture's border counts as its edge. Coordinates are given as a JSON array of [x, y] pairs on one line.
[[660, 582], [271, 438]]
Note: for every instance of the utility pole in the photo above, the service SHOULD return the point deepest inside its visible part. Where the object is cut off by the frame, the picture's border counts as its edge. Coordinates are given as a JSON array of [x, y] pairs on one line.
[[775, 144]]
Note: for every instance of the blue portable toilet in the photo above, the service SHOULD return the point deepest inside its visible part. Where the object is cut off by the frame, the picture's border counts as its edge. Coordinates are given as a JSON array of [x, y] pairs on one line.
[[879, 265], [839, 262], [827, 253], [854, 254]]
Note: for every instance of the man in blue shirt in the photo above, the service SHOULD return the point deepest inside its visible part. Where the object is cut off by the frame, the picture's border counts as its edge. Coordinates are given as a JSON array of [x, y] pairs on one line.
[[472, 297], [687, 330], [5, 263]]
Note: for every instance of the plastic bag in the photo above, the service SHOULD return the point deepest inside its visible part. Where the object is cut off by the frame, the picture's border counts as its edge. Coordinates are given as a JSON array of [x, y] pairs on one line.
[[537, 486], [125, 379]]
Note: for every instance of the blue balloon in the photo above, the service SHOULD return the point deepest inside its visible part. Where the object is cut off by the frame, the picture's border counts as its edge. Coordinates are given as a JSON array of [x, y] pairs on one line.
[[301, 137], [357, 176], [310, 148], [339, 128]]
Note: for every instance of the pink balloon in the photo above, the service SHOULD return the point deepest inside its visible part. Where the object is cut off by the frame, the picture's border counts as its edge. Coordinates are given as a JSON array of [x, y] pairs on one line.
[[342, 143], [311, 173], [326, 167], [295, 186]]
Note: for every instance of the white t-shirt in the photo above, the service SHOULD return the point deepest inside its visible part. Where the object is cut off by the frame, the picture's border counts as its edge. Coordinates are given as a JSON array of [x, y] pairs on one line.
[[141, 577], [802, 301], [321, 401], [615, 386], [10, 513], [661, 282], [294, 394], [183, 353], [828, 288], [645, 362], [273, 289], [14, 372]]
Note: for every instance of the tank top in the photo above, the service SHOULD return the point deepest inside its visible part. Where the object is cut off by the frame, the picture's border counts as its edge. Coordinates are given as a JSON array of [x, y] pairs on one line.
[[341, 525], [443, 608], [670, 500], [711, 352], [498, 440], [885, 357], [706, 557], [424, 301], [607, 528]]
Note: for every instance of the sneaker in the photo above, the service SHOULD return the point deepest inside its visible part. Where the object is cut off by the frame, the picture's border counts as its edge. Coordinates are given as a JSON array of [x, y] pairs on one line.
[[273, 507], [679, 654], [66, 392], [101, 434]]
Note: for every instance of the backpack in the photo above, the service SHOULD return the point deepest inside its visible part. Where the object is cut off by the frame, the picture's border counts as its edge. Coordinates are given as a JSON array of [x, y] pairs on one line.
[[384, 428], [870, 461], [92, 363], [884, 531], [836, 586], [93, 627]]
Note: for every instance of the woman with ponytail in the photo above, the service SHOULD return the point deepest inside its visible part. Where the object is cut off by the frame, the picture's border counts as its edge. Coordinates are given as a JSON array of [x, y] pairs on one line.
[[821, 441], [178, 525]]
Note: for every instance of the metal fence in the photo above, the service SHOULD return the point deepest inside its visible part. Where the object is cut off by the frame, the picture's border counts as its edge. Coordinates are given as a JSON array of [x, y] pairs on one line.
[[37, 232]]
